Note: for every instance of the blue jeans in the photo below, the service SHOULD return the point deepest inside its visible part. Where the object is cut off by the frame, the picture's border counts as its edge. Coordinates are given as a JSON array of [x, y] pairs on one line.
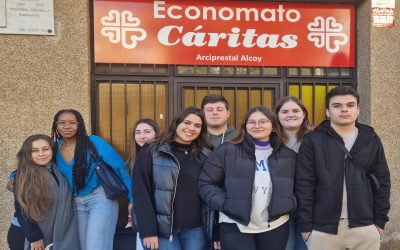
[[184, 239], [295, 241], [139, 245], [97, 220]]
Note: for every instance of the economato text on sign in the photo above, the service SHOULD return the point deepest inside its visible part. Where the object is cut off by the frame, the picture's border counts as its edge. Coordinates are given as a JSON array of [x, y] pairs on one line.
[[224, 33]]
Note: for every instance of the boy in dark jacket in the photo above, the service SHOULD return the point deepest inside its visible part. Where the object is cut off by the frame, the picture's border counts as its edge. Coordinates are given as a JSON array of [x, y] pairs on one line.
[[342, 179], [216, 111]]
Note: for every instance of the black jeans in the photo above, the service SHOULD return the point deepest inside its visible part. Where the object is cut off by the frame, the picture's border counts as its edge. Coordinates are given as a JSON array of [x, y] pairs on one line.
[[232, 239], [15, 238]]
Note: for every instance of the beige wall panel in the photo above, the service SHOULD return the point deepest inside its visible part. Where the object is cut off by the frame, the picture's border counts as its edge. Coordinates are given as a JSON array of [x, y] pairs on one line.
[[378, 83], [38, 76], [385, 118]]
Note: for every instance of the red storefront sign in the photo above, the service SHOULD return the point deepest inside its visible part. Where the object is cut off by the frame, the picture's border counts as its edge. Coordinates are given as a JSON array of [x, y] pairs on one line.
[[224, 33]]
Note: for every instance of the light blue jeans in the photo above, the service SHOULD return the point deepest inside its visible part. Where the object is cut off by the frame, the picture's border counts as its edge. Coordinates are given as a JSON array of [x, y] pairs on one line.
[[97, 220], [184, 239], [139, 245]]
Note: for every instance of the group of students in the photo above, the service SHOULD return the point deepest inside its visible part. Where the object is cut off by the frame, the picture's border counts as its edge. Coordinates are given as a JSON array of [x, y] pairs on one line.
[[273, 184]]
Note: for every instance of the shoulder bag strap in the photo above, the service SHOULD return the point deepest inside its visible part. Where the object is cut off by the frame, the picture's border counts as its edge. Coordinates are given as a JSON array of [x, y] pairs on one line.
[[371, 176]]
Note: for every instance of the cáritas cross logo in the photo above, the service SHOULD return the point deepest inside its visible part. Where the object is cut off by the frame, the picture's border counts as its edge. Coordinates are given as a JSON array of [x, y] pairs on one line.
[[122, 27], [327, 33]]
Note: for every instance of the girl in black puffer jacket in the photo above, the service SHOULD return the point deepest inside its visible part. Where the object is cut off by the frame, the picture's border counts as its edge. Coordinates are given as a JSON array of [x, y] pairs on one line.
[[250, 182]]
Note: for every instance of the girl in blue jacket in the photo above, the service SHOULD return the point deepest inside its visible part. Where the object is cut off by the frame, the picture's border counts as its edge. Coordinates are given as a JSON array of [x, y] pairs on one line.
[[97, 215]]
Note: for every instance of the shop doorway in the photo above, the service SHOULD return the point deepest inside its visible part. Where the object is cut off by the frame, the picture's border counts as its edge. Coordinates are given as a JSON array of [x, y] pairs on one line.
[[124, 93], [241, 96]]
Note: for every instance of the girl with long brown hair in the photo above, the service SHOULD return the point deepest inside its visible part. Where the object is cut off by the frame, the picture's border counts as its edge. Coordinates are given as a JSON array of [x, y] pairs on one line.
[[44, 205], [144, 131], [293, 121], [294, 124], [169, 209]]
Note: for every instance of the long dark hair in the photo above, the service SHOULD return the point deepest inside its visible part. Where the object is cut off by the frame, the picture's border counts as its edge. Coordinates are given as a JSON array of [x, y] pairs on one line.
[[81, 164], [33, 191], [130, 163], [265, 111], [305, 126], [200, 142]]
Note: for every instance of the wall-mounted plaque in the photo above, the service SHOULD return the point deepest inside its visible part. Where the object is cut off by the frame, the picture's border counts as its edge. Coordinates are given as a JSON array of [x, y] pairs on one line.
[[30, 17], [383, 13], [2, 13]]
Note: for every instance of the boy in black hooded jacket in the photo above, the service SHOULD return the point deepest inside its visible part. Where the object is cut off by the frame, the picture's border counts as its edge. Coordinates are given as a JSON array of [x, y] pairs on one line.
[[342, 179]]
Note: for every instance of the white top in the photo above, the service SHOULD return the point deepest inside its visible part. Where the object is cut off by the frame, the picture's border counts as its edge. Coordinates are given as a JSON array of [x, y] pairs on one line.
[[293, 143], [348, 143], [262, 191]]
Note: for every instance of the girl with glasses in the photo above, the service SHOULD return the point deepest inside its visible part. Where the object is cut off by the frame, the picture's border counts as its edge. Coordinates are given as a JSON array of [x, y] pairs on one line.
[[250, 182]]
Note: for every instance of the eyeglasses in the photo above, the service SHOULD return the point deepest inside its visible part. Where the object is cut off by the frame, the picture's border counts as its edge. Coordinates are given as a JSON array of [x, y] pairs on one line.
[[67, 123], [260, 123]]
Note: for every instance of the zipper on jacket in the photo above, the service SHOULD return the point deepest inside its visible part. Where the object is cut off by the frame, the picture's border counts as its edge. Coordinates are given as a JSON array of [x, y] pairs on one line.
[[254, 177], [347, 194], [272, 185], [341, 195], [173, 197]]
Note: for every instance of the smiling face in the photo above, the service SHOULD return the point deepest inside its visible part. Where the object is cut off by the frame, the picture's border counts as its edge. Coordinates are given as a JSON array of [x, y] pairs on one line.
[[67, 125], [343, 110], [41, 152], [291, 116], [259, 126], [144, 133], [189, 129]]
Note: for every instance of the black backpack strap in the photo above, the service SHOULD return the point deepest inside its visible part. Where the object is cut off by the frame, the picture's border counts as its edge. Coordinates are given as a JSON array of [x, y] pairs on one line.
[[347, 153], [343, 148]]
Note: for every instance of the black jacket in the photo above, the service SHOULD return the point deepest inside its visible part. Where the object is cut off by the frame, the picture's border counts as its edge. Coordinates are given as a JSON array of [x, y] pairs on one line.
[[154, 186], [227, 179], [321, 169]]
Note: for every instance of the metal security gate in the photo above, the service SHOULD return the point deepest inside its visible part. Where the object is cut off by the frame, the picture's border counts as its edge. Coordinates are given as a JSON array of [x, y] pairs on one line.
[[240, 97]]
